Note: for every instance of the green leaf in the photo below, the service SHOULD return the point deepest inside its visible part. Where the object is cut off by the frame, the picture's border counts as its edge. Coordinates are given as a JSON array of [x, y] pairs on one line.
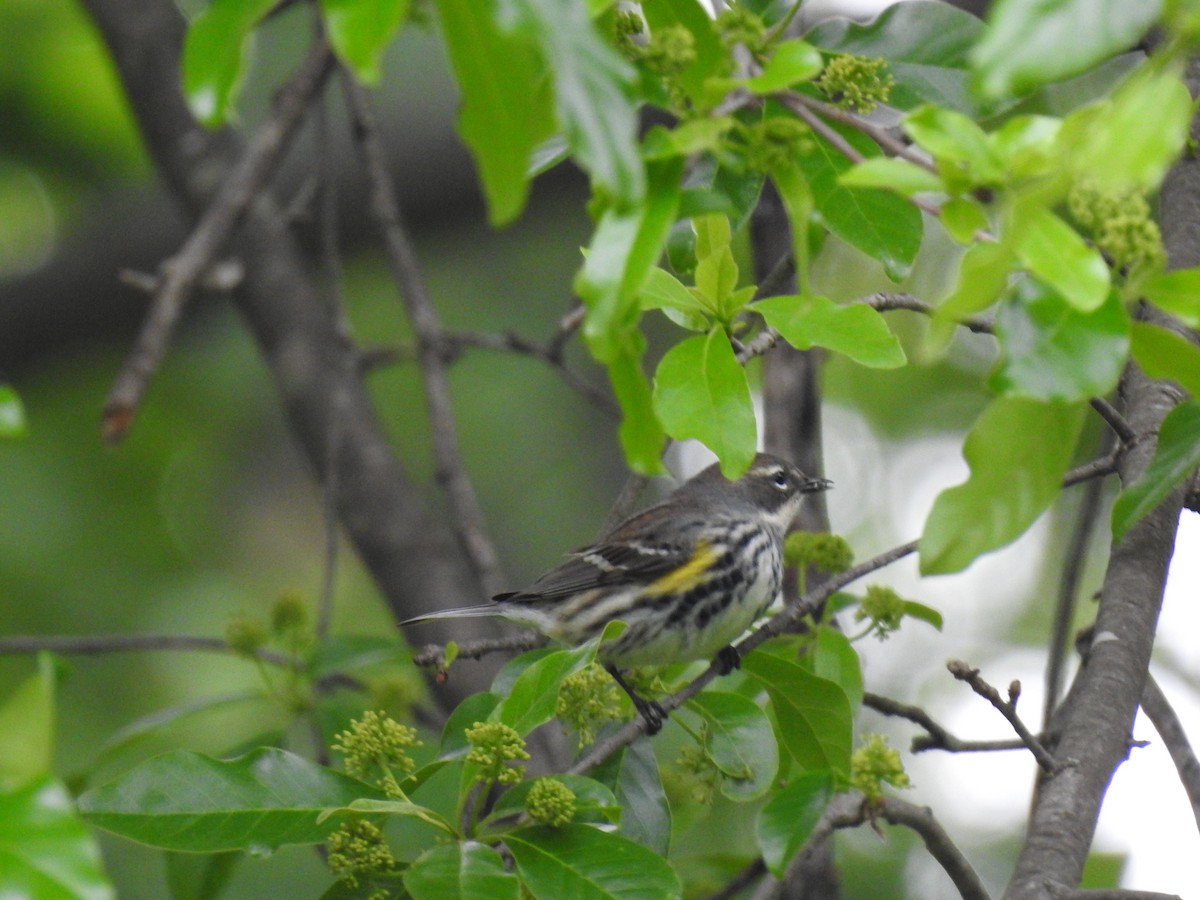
[[892, 174], [1052, 351], [27, 728], [789, 816], [1032, 42], [371, 807], [1129, 139], [881, 224], [853, 329], [12, 413], [963, 218], [957, 143], [923, 613], [797, 198], [214, 56], [466, 870], [594, 802], [360, 30], [982, 275], [1165, 354], [200, 876], [926, 46], [664, 291], [686, 138], [835, 659], [634, 778], [1014, 478], [1176, 456], [591, 87], [739, 741], [641, 434], [624, 249], [815, 719], [45, 851], [534, 694], [1054, 252], [503, 120], [701, 392], [584, 863], [791, 62], [187, 801], [1176, 292]]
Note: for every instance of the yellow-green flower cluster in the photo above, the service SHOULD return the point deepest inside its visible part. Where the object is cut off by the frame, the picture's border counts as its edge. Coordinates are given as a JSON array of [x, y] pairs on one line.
[[670, 50], [375, 748], [776, 141], [883, 607], [703, 772], [875, 764], [823, 551], [493, 746], [856, 83], [550, 802], [627, 26], [357, 849], [586, 700], [737, 25], [1120, 224], [289, 614], [245, 635]]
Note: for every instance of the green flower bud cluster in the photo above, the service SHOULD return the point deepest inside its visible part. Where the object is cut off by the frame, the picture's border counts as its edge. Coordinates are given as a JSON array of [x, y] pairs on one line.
[[703, 772], [776, 141], [245, 635], [737, 25], [875, 764], [1120, 224], [884, 608], [357, 849], [289, 615], [856, 83], [493, 746], [669, 51], [375, 747], [823, 551], [550, 802], [586, 700], [627, 28]]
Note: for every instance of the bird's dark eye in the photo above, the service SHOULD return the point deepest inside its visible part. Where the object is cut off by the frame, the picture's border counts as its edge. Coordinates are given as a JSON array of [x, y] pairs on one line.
[[780, 479]]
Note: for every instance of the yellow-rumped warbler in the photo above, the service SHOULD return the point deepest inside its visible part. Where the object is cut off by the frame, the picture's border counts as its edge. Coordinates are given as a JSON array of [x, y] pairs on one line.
[[688, 576]]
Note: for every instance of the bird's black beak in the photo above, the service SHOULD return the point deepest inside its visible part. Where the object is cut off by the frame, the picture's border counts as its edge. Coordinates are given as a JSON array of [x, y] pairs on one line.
[[814, 485]]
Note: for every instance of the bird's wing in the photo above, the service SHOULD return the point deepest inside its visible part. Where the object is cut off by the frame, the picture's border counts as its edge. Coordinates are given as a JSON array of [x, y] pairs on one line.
[[627, 555]]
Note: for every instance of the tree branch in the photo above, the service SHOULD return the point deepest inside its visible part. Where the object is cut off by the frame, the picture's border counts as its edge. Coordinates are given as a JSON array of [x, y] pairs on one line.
[[181, 273], [467, 516], [1006, 708], [100, 644], [1158, 709]]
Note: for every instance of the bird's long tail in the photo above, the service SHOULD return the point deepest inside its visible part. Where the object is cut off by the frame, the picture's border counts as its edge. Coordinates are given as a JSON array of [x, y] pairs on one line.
[[462, 612]]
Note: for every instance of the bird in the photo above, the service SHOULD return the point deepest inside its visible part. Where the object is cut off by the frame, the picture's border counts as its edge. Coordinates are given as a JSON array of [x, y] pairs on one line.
[[687, 576]]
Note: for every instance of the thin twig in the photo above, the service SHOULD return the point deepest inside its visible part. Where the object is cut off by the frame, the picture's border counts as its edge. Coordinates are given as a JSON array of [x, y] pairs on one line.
[[510, 342], [939, 844], [467, 515], [1007, 708], [783, 621], [742, 880], [180, 274], [434, 655], [99, 644], [936, 736], [567, 326], [796, 104], [883, 302], [1156, 706], [1097, 468], [1113, 418], [887, 143]]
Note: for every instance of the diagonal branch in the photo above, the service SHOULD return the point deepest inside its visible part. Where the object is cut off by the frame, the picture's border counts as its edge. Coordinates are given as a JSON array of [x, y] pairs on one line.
[[1156, 706], [181, 274], [468, 516]]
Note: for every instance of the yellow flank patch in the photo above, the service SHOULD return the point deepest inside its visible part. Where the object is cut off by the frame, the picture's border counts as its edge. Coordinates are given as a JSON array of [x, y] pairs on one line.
[[687, 575]]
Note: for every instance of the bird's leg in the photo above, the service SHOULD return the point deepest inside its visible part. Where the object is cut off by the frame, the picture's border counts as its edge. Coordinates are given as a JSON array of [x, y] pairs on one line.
[[728, 659], [651, 712]]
